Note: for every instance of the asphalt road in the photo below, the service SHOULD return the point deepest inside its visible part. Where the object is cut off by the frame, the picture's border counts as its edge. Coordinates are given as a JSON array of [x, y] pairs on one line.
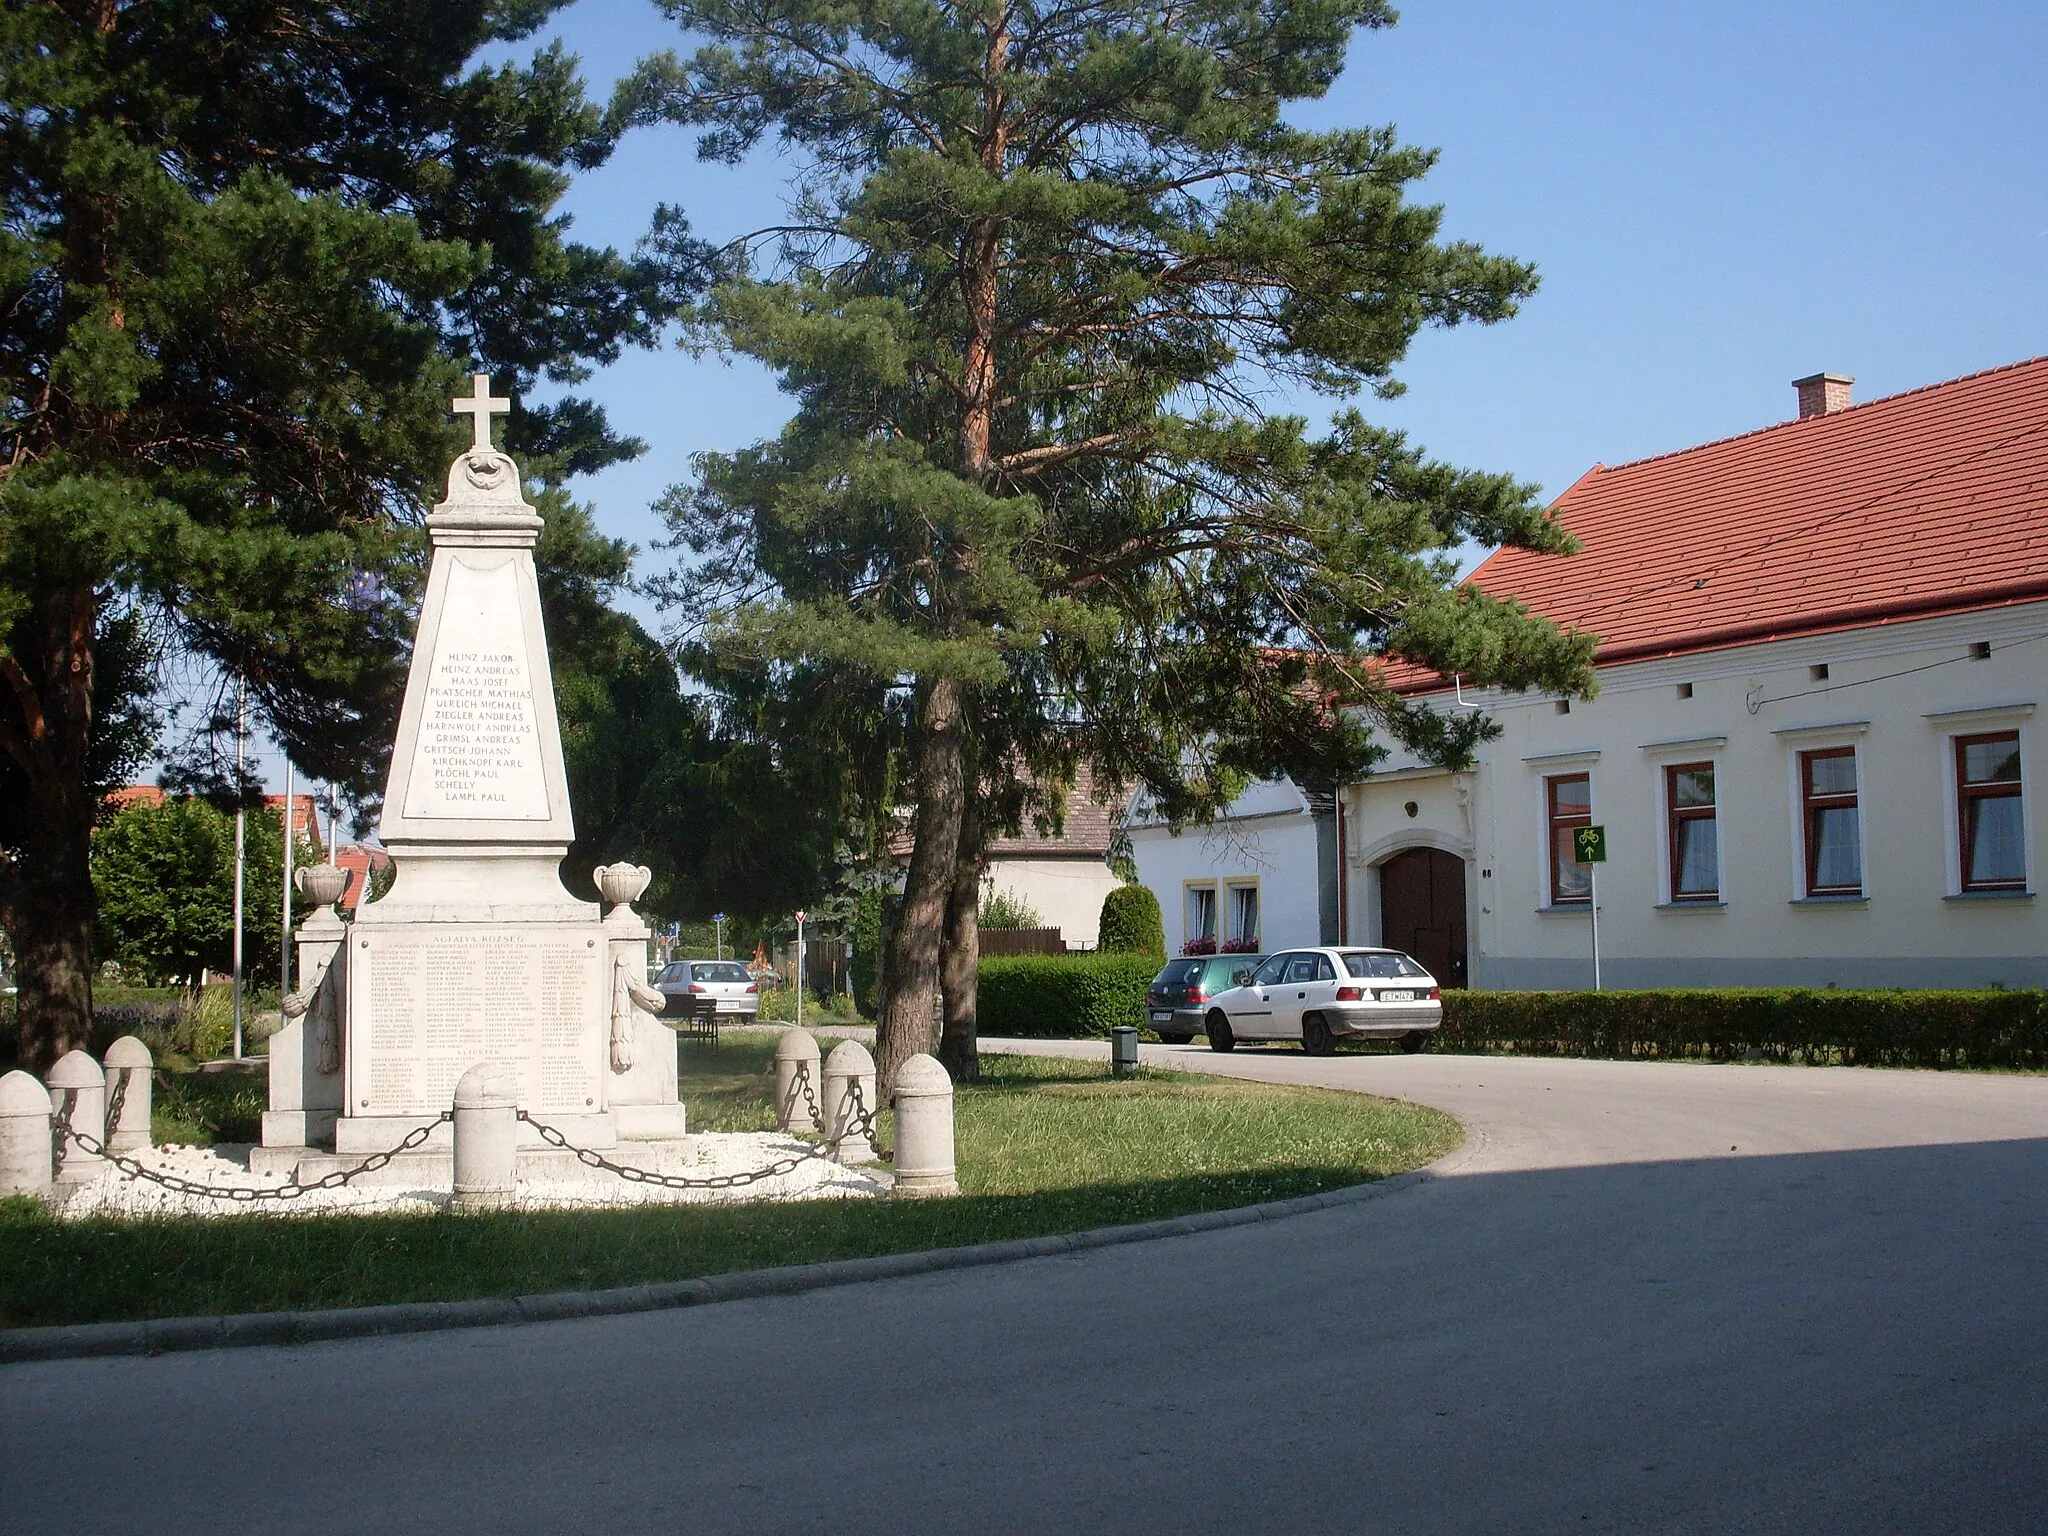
[[1641, 1298]]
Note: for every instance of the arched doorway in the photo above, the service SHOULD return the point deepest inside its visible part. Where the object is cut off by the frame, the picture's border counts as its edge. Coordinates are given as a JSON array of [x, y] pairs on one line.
[[1422, 910]]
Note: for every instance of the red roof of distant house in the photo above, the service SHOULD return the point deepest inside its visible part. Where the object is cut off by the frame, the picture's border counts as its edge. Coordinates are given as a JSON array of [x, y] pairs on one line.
[[1929, 502], [1086, 829], [360, 860], [304, 821]]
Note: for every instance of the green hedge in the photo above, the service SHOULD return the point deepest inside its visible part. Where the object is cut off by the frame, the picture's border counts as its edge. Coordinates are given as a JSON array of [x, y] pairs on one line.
[[1815, 1028], [1062, 997]]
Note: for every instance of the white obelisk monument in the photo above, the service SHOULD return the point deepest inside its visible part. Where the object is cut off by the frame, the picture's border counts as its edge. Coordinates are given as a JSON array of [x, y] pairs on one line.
[[477, 953]]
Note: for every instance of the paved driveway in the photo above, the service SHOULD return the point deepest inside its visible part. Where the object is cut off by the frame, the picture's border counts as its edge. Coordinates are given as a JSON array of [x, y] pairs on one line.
[[1642, 1297]]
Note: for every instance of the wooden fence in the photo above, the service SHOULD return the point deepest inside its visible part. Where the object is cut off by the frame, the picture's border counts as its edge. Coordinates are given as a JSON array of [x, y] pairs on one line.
[[1022, 941]]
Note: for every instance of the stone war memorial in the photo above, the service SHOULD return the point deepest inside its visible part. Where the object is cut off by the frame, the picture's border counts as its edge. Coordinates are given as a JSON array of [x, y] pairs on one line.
[[477, 953], [479, 1034]]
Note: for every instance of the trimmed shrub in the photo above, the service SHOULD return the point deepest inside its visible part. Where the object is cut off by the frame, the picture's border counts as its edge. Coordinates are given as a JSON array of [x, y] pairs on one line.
[[1131, 924], [1809, 1026], [1063, 997]]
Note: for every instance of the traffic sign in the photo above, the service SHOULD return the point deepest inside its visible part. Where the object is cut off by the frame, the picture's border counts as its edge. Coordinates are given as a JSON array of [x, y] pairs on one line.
[[1589, 845]]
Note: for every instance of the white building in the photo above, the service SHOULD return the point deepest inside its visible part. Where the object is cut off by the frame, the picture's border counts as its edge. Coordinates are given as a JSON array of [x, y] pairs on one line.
[[1062, 875], [1817, 749], [1247, 882]]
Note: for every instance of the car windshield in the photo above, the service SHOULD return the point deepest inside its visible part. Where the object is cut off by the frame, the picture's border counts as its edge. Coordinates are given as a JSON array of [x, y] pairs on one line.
[[1178, 973], [1381, 965], [720, 970]]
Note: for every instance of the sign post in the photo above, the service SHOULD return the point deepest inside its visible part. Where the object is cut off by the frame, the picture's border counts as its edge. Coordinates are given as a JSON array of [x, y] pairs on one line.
[[799, 970], [1589, 847]]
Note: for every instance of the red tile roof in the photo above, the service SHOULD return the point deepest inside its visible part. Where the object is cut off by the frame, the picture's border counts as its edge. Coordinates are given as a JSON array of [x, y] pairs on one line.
[[304, 820], [1933, 501], [1086, 829], [362, 862]]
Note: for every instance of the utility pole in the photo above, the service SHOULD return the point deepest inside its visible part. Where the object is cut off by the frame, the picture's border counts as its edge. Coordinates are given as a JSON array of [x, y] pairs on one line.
[[241, 856], [799, 970]]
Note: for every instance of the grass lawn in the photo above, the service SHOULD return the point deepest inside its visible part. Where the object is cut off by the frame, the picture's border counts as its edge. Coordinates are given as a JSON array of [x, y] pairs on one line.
[[1044, 1146]]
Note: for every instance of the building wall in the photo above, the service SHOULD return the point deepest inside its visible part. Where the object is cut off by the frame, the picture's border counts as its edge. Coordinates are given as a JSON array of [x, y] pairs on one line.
[[1898, 695], [1267, 841], [1066, 893]]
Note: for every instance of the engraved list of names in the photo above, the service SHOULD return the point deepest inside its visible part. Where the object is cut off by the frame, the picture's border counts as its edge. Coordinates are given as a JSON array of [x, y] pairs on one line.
[[477, 755], [442, 999]]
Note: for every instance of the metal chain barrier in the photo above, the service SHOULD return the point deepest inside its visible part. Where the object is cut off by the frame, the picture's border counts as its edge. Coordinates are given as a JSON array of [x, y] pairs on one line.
[[864, 1120], [632, 1175], [240, 1194], [803, 1077], [60, 1129], [120, 1098], [61, 1132]]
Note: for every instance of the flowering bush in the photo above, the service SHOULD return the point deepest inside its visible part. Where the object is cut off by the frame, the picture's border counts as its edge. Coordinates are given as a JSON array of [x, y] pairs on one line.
[[1239, 947], [1205, 945]]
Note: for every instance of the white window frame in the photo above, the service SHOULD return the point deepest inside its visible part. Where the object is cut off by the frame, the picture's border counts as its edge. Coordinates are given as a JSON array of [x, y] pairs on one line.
[[1950, 727], [1560, 765], [1226, 909], [1826, 738], [1187, 892], [1662, 756]]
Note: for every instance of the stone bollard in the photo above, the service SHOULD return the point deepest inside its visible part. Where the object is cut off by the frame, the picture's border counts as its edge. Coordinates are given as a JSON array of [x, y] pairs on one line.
[[848, 1064], [924, 1128], [796, 1068], [128, 1057], [77, 1071], [487, 1136], [24, 1136]]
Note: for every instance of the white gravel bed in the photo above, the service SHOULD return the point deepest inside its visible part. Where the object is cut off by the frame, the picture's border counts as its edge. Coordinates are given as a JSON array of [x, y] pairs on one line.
[[227, 1166]]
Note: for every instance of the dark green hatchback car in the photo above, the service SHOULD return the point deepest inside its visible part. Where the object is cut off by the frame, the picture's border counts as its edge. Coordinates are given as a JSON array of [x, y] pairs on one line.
[[1179, 995]]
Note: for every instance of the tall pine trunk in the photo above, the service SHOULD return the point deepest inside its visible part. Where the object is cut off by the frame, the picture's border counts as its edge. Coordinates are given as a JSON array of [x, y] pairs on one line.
[[960, 963], [46, 900], [911, 967], [51, 930]]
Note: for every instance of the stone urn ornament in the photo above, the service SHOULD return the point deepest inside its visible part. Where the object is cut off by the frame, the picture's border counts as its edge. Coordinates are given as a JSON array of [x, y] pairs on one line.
[[621, 884], [322, 884]]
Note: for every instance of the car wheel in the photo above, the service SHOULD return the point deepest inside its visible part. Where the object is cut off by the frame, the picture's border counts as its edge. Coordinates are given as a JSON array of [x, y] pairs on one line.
[[1316, 1039], [1175, 1039], [1220, 1037], [1415, 1041]]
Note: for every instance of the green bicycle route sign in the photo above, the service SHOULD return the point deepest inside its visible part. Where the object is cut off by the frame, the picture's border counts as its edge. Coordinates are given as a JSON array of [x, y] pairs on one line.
[[1589, 845]]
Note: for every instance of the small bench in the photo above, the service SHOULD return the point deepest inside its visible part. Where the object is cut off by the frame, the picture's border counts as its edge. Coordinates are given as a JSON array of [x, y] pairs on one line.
[[698, 1021]]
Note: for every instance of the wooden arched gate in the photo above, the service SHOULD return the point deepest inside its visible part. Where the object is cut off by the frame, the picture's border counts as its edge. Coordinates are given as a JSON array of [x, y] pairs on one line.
[[1422, 910]]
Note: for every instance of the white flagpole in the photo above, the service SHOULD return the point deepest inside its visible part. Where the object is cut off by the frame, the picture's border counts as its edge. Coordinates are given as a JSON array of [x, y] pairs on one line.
[[241, 853], [285, 947]]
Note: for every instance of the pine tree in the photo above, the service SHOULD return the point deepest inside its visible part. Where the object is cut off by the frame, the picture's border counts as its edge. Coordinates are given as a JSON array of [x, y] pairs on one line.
[[1044, 263], [248, 249]]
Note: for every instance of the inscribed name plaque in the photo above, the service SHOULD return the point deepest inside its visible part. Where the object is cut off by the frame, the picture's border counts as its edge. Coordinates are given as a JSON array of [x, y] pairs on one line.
[[478, 753], [432, 1002]]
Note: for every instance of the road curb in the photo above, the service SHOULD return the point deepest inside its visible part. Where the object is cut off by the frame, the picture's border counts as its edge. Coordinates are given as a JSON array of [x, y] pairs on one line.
[[81, 1341]]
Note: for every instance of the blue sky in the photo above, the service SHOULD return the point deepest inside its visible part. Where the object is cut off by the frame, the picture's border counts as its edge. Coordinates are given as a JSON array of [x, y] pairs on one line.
[[1720, 199]]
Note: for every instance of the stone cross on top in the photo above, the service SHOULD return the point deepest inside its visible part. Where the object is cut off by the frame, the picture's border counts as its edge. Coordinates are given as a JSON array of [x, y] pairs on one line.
[[481, 407]]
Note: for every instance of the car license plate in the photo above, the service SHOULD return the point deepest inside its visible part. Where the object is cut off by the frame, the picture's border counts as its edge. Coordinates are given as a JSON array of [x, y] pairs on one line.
[[1397, 997], [1162, 1015]]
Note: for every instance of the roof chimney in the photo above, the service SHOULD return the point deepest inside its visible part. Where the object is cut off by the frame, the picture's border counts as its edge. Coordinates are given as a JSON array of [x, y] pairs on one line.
[[1823, 394]]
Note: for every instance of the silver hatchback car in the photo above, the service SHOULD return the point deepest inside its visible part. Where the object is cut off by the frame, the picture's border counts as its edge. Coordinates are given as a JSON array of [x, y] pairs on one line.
[[1323, 995], [696, 986]]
